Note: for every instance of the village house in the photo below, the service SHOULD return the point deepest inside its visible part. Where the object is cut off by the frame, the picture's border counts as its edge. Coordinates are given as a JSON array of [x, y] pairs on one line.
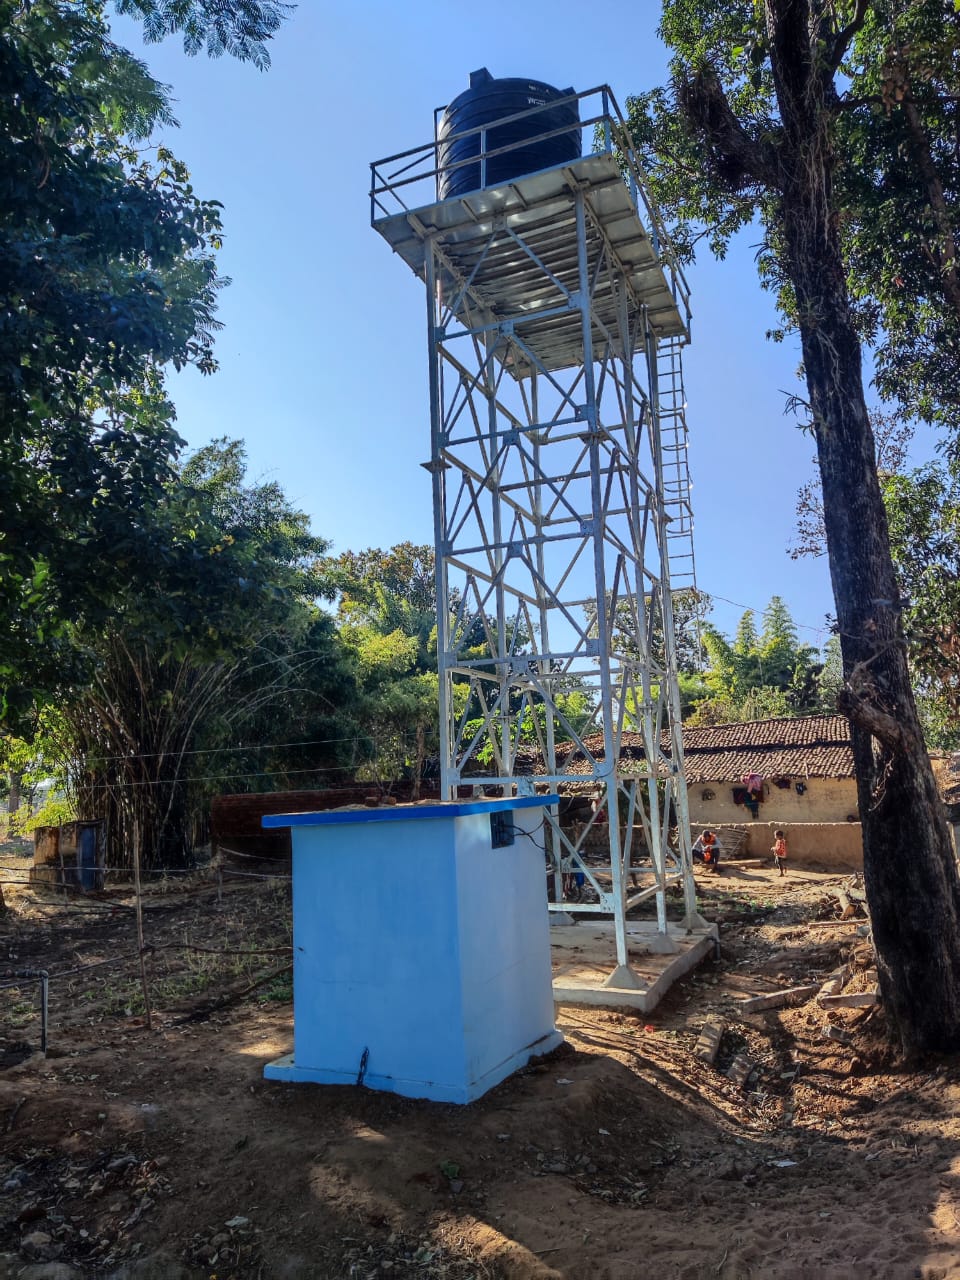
[[763, 774], [746, 780]]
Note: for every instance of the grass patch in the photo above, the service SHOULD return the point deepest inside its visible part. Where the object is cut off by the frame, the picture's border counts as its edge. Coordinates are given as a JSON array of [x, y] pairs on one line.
[[279, 991], [21, 1014]]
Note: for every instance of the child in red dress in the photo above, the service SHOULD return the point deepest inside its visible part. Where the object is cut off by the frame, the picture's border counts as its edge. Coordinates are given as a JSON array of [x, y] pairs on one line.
[[779, 851]]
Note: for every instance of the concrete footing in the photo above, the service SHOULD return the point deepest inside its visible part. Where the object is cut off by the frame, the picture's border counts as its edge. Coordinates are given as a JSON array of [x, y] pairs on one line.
[[585, 970]]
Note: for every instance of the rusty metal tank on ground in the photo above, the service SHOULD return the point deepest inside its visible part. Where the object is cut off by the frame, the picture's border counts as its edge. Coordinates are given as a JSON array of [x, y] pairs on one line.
[[538, 139]]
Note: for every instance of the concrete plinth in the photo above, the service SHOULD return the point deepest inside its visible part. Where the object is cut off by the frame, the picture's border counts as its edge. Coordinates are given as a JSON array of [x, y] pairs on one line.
[[584, 962]]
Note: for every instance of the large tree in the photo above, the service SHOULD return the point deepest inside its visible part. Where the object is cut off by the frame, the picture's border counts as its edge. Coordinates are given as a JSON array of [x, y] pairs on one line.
[[107, 275], [752, 130]]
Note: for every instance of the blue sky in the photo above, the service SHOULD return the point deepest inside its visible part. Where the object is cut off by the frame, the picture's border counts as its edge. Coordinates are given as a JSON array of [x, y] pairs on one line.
[[323, 357]]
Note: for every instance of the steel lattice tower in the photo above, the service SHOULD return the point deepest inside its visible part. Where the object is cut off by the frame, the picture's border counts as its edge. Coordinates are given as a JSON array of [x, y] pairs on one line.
[[556, 318]]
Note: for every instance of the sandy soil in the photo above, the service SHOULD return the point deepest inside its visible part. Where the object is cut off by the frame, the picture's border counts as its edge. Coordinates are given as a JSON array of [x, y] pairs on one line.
[[133, 1153]]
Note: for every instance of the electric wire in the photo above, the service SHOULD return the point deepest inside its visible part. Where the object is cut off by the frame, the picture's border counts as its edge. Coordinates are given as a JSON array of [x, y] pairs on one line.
[[209, 751]]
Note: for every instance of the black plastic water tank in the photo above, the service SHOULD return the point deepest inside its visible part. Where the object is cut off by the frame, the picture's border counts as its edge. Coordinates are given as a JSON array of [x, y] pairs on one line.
[[489, 99]]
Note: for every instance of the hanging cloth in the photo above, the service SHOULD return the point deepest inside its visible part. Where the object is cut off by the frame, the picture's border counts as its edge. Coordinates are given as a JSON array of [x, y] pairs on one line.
[[754, 784]]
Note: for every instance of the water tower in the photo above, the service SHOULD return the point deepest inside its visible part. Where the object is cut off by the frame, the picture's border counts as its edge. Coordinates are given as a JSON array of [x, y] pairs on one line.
[[556, 317]]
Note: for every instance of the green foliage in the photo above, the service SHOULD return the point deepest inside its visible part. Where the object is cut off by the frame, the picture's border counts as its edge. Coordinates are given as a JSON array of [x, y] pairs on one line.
[[758, 676], [893, 116], [217, 642], [714, 710], [107, 275], [892, 436], [388, 622], [529, 721], [693, 690], [238, 27], [374, 580], [164, 608], [923, 512], [690, 611], [922, 508], [829, 681], [279, 991], [731, 37], [899, 188], [52, 813], [691, 608], [766, 702], [28, 761], [745, 638]]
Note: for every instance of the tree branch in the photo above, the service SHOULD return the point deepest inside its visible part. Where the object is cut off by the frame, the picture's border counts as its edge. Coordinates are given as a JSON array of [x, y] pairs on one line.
[[736, 159], [946, 258], [845, 36], [858, 701]]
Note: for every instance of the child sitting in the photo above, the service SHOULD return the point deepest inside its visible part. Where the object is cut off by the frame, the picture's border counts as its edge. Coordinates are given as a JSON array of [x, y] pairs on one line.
[[707, 850]]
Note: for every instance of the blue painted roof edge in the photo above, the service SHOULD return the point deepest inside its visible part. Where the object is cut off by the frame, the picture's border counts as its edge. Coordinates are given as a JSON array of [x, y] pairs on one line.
[[409, 813]]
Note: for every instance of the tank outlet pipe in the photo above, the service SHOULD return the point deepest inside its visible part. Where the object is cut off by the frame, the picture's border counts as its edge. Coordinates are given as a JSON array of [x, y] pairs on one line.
[[41, 976]]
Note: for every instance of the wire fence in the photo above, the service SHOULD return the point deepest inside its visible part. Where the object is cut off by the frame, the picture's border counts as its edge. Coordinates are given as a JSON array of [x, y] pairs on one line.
[[19, 979], [362, 749]]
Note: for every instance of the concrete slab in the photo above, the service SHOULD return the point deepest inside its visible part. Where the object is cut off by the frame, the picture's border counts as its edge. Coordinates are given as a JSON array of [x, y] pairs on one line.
[[584, 957]]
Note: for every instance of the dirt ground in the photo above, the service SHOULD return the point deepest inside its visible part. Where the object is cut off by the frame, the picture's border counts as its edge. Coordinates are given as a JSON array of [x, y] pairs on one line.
[[136, 1153]]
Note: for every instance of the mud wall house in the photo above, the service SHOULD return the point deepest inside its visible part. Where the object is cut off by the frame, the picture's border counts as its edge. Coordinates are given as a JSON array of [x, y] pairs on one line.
[[806, 785], [802, 770], [239, 843]]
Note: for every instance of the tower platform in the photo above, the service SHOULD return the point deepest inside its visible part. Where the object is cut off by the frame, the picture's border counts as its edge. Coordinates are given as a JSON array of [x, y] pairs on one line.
[[510, 254]]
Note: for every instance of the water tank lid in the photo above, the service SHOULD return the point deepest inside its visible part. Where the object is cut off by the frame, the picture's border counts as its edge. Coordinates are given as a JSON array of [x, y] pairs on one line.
[[483, 76]]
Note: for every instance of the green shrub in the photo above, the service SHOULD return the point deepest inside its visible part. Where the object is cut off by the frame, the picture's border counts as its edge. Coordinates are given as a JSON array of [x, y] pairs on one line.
[[52, 813]]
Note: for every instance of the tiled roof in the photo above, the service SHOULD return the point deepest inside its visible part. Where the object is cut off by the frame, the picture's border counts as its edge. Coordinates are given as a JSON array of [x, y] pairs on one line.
[[800, 731], [804, 747], [791, 762]]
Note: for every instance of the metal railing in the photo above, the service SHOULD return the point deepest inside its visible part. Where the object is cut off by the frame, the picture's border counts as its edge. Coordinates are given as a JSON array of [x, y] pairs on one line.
[[410, 180]]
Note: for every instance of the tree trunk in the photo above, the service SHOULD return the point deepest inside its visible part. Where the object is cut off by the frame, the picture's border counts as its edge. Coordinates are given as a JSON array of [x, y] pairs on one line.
[[13, 798], [911, 877], [910, 873]]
